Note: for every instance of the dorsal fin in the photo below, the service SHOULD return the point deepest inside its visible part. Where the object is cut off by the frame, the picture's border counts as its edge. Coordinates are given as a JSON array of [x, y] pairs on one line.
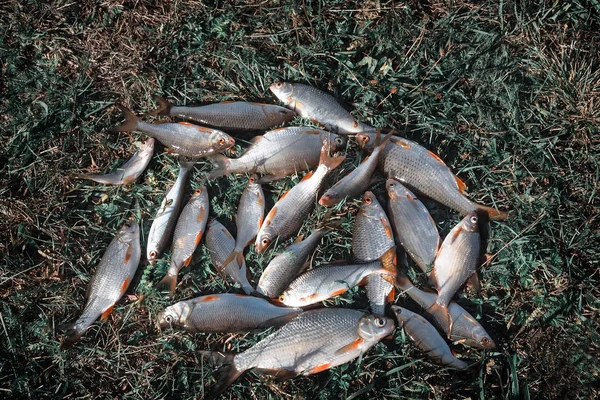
[[462, 187]]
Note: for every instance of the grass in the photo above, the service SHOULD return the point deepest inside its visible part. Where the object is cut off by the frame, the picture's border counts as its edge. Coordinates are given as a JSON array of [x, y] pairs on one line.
[[507, 93]]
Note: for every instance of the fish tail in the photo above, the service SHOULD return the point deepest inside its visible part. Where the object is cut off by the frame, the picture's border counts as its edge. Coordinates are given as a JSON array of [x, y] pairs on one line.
[[169, 281], [72, 335], [222, 164], [402, 282], [131, 120], [386, 138], [328, 223], [235, 255], [164, 107], [438, 308], [228, 374], [329, 162], [493, 213], [185, 164]]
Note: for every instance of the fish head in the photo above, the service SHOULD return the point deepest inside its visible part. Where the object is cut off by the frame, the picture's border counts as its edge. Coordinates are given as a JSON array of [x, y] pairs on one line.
[[265, 237], [328, 199], [373, 328], [479, 338], [366, 140], [370, 206], [401, 314], [253, 184], [283, 91], [336, 142], [177, 314], [395, 189], [221, 141], [198, 195], [471, 222], [129, 233], [148, 146]]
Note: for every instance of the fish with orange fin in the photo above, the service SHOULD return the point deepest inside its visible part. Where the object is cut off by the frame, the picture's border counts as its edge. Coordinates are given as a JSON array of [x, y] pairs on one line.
[[181, 138], [357, 181], [425, 173], [327, 281], [313, 342], [249, 218], [279, 153], [225, 312], [188, 233], [372, 239], [318, 106], [164, 222], [110, 281], [427, 338], [130, 171], [220, 245], [413, 226], [229, 115], [465, 328], [291, 210]]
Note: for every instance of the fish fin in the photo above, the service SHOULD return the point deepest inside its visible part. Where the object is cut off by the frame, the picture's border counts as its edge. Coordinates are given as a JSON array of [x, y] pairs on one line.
[[233, 255], [164, 107], [228, 374], [72, 336], [169, 281], [125, 285], [131, 120], [271, 177], [391, 295], [188, 260], [304, 178], [330, 163], [338, 292], [222, 163], [198, 238], [449, 322], [278, 374], [299, 238], [400, 142], [387, 227], [462, 186], [350, 347], [185, 163], [279, 321], [386, 138], [473, 284], [438, 159], [493, 214], [323, 366], [106, 313], [256, 139], [402, 282]]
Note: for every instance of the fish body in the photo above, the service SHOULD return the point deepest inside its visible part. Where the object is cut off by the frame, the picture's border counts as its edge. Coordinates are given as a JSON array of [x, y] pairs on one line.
[[465, 328], [291, 210], [427, 338], [425, 173], [182, 138], [457, 259], [164, 222], [287, 265], [312, 342], [413, 226], [110, 281], [230, 115], [372, 239], [188, 233], [220, 244], [327, 281], [227, 313], [357, 181], [319, 107], [279, 153], [130, 171], [249, 218]]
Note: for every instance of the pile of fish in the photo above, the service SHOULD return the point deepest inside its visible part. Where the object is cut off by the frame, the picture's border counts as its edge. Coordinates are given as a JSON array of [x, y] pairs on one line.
[[310, 339]]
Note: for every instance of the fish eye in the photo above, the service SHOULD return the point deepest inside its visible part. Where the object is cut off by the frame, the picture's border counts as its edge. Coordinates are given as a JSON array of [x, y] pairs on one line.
[[265, 241], [392, 185], [169, 319], [251, 180], [364, 138], [474, 219], [339, 140], [153, 254], [282, 298], [221, 141], [197, 191], [367, 200], [485, 341], [279, 85], [379, 322]]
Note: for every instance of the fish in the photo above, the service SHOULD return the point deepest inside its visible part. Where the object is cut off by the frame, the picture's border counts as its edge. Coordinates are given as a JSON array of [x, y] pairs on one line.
[[109, 283], [226, 313], [465, 328], [164, 222], [457, 259], [427, 338], [279, 153], [372, 239], [424, 172], [130, 171], [325, 282], [318, 106], [414, 228], [357, 181], [249, 218], [291, 210], [312, 342], [188, 234], [229, 115], [220, 244], [288, 264], [181, 138]]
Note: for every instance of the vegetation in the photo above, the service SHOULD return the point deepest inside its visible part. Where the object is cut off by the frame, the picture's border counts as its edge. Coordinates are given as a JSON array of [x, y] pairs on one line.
[[507, 93]]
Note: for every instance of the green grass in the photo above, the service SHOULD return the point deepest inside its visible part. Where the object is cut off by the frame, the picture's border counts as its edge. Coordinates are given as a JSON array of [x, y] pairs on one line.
[[507, 93]]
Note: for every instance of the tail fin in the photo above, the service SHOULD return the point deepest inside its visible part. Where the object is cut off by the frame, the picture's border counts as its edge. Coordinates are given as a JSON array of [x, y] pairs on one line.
[[222, 164], [72, 335], [493, 214], [436, 309], [184, 163], [402, 282], [169, 281], [330, 163], [238, 256], [131, 120], [228, 374], [328, 223], [164, 107]]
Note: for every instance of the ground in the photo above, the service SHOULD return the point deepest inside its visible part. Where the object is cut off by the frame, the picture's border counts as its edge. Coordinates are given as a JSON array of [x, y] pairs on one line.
[[507, 93]]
